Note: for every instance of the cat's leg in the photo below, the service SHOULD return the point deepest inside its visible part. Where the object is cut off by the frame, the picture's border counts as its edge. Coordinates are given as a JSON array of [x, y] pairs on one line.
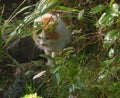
[[54, 54], [50, 61]]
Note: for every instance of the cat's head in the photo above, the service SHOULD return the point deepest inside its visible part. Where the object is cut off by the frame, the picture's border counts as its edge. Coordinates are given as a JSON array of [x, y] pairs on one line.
[[53, 30], [47, 34]]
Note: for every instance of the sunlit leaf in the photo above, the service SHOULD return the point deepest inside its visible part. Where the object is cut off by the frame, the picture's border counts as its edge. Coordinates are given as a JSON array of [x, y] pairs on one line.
[[49, 7], [39, 75], [111, 52], [115, 9], [110, 37], [111, 2], [72, 88], [106, 18], [80, 15], [31, 96]]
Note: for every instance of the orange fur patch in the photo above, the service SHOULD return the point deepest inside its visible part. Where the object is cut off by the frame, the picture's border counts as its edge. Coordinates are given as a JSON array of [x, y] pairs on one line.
[[35, 36], [47, 20], [49, 28]]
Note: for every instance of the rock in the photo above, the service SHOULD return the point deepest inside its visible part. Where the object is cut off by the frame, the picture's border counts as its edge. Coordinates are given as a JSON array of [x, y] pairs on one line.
[[19, 86], [24, 50]]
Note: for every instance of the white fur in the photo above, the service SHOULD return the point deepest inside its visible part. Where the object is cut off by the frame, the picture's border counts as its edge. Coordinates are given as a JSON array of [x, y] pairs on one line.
[[52, 46]]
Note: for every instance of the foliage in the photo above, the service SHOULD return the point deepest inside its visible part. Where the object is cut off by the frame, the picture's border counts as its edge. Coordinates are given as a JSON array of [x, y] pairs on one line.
[[89, 68], [31, 96]]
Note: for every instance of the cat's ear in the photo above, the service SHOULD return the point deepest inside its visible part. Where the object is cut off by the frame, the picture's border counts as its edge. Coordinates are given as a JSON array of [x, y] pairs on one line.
[[48, 20]]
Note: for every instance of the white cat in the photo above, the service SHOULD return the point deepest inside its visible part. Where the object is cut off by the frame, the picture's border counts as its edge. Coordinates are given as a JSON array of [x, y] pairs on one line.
[[55, 33]]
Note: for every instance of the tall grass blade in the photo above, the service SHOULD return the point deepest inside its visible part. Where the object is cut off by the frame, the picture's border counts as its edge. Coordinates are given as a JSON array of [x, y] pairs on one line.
[[0, 40], [67, 9], [14, 13], [30, 18]]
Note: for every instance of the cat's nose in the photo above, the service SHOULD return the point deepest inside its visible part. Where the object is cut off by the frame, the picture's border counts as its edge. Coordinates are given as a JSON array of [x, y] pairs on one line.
[[43, 44]]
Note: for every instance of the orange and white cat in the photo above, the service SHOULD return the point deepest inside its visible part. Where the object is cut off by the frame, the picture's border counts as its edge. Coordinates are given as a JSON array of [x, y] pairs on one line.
[[55, 33]]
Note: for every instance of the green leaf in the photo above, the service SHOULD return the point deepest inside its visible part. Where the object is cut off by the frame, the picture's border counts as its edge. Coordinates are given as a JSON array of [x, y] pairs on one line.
[[113, 33], [55, 69], [49, 7], [57, 78], [115, 10], [111, 53], [72, 73], [80, 15], [110, 37], [109, 16], [67, 9], [80, 83], [106, 18], [106, 62], [97, 9], [111, 2]]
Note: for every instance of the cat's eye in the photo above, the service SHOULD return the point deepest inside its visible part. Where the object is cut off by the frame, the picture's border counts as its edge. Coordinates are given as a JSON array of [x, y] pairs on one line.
[[39, 37], [38, 31]]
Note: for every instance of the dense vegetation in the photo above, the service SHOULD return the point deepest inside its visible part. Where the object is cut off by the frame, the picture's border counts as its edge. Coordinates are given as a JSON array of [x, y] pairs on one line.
[[88, 68]]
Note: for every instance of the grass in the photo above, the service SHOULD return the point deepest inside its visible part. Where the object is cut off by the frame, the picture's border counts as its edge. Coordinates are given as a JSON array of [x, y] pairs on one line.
[[86, 70]]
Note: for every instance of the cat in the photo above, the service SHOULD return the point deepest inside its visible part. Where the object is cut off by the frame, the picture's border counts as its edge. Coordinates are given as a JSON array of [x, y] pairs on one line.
[[55, 33]]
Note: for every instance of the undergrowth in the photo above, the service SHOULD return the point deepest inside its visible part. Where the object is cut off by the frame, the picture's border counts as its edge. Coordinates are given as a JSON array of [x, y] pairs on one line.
[[89, 67]]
